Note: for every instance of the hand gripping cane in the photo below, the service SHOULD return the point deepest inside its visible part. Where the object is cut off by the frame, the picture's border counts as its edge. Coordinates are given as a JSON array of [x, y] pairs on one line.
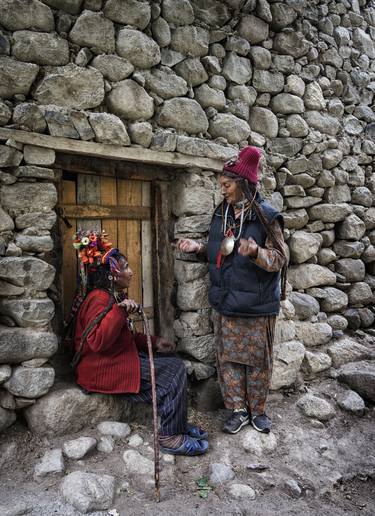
[[154, 405]]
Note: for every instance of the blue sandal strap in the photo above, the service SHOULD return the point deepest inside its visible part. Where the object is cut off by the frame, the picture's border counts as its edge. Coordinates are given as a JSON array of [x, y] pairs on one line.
[[196, 432]]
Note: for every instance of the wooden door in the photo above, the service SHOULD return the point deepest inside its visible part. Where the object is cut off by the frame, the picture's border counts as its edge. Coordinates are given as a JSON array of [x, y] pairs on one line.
[[123, 209]]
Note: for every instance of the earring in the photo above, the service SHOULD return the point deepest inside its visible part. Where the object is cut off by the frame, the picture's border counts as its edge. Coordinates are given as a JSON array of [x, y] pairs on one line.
[[111, 278]]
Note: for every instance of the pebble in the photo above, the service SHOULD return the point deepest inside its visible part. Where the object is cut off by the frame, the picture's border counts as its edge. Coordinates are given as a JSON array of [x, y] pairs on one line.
[[315, 407], [137, 464], [105, 444], [115, 429], [52, 463], [168, 458], [135, 440], [352, 402], [220, 473], [88, 492], [292, 488], [241, 492], [258, 443], [77, 448]]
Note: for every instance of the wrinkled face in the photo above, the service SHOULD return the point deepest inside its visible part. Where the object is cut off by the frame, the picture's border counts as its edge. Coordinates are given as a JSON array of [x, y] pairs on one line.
[[123, 276], [230, 189]]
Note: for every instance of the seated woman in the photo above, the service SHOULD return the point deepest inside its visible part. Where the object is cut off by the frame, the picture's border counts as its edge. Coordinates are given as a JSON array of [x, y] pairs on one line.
[[112, 358]]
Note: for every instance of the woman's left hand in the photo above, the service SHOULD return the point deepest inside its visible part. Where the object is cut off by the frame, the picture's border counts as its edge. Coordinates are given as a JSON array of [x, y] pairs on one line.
[[164, 346], [248, 247]]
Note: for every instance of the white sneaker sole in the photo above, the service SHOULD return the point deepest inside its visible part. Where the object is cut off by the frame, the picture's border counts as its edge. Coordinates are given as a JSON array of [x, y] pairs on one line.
[[244, 423], [263, 431]]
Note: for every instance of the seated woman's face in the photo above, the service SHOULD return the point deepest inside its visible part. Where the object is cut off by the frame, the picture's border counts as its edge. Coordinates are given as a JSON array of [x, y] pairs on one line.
[[124, 276], [230, 189]]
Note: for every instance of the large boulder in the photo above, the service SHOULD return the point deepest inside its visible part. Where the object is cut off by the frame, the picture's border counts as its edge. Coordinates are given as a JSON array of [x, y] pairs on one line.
[[141, 50], [95, 31], [263, 121], [352, 228], [130, 101], [18, 15], [288, 357], [109, 129], [303, 245], [315, 407], [291, 43], [202, 348], [40, 48], [310, 275], [190, 40], [128, 12], [305, 306], [27, 271], [28, 312], [253, 29], [66, 409], [237, 69], [184, 114], [348, 350], [30, 382], [329, 212], [69, 6], [16, 78], [313, 334], [112, 67], [335, 300], [178, 12], [228, 126], [324, 123], [360, 376], [165, 83], [211, 12], [88, 492], [20, 344], [71, 86], [192, 70]]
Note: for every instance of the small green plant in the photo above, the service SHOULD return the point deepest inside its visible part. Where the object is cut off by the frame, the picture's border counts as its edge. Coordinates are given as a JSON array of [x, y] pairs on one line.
[[203, 487]]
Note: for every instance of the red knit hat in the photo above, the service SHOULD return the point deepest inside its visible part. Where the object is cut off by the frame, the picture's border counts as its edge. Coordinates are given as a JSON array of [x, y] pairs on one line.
[[246, 164]]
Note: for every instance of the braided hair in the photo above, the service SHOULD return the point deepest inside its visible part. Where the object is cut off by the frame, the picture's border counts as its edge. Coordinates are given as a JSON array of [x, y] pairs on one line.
[[250, 190]]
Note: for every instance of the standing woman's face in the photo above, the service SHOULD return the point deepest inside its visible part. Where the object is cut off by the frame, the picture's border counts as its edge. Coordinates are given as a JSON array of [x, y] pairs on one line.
[[230, 189]]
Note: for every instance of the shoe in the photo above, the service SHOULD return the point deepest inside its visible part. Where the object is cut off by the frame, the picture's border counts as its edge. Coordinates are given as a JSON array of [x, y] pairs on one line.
[[196, 432], [189, 447], [237, 420], [262, 423]]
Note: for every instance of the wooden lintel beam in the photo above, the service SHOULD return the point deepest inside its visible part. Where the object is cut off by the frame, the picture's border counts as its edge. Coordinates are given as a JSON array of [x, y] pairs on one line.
[[83, 211], [102, 150]]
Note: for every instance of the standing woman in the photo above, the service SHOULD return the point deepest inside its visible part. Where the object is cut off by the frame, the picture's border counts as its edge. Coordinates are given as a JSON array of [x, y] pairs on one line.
[[246, 256]]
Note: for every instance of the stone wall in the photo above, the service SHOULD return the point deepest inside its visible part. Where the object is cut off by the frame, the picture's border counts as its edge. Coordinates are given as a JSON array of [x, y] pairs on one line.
[[201, 78]]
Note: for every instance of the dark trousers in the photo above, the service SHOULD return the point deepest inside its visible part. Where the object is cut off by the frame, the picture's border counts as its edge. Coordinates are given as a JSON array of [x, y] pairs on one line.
[[171, 392]]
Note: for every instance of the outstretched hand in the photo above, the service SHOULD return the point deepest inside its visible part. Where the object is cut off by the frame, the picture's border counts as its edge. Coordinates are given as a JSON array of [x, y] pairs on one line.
[[187, 245], [164, 346]]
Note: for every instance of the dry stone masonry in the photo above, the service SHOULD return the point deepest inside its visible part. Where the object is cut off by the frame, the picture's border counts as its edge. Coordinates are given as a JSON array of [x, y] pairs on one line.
[[201, 78]]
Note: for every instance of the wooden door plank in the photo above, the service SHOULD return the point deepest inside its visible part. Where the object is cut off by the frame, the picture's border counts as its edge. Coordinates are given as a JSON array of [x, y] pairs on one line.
[[69, 273], [88, 192], [108, 195]]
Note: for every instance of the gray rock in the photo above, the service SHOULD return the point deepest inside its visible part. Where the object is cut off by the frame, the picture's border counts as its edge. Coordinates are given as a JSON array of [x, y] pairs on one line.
[[27, 272], [115, 429], [362, 196], [363, 42], [347, 249], [36, 244], [241, 492], [66, 409], [359, 376], [352, 228], [348, 350], [310, 275], [178, 12], [61, 123], [284, 330], [106, 444], [329, 212], [9, 157], [164, 140], [209, 97], [240, 46], [184, 114], [367, 317], [39, 156], [88, 492], [286, 146], [261, 57], [211, 12], [257, 443], [212, 65], [230, 127], [264, 121], [18, 344], [334, 301], [253, 29], [71, 86], [7, 418], [292, 488], [305, 306], [141, 133], [313, 97], [190, 40], [192, 71], [291, 43], [331, 158], [5, 372], [112, 67], [360, 294], [6, 223], [18, 15], [352, 402], [295, 219], [136, 464], [40, 48], [351, 269], [326, 256], [94, 31], [7, 289], [220, 474], [109, 129], [30, 382], [78, 448], [70, 6], [129, 100], [287, 104], [237, 69], [324, 123], [241, 92], [135, 440], [16, 78], [338, 322], [128, 12], [268, 82], [142, 51], [161, 32], [5, 114], [202, 348], [170, 57], [165, 83], [315, 407], [313, 334], [33, 153], [303, 245], [288, 357], [369, 218], [28, 312], [317, 362], [52, 463]]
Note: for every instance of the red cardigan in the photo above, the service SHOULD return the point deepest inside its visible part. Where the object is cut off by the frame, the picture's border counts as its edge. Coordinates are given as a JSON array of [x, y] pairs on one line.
[[109, 361]]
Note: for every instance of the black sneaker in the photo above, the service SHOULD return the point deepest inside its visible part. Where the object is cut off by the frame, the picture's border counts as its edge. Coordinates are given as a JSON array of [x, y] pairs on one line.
[[236, 421], [262, 423]]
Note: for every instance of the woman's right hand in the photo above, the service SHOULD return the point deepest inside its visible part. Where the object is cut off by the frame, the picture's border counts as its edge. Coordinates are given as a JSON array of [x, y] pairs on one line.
[[187, 245], [130, 305]]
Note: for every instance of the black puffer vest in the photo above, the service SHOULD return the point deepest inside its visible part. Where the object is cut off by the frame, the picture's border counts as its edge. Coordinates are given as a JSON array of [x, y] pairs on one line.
[[240, 288]]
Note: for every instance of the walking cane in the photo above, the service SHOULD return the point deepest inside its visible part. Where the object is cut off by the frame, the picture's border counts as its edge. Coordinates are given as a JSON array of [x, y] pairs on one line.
[[154, 405]]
